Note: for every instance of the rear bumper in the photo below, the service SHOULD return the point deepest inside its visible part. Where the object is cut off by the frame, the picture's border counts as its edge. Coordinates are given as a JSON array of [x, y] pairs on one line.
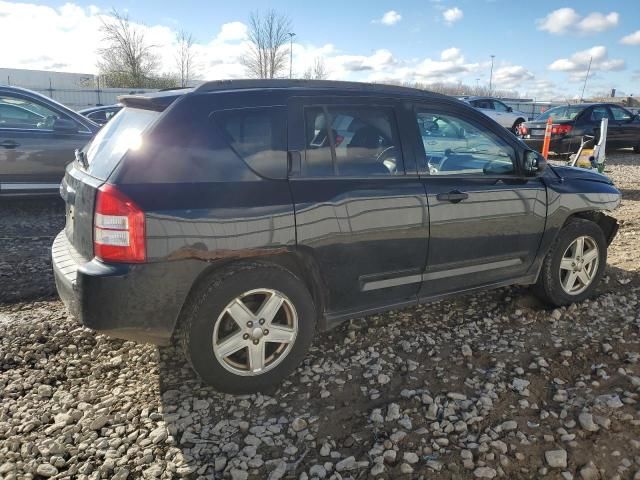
[[559, 145], [138, 302]]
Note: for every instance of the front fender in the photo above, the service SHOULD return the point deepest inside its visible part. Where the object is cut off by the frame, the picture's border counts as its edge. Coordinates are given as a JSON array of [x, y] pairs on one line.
[[584, 198]]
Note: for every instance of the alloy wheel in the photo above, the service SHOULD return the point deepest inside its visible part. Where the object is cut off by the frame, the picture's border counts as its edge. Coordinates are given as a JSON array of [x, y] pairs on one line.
[[579, 265], [255, 332]]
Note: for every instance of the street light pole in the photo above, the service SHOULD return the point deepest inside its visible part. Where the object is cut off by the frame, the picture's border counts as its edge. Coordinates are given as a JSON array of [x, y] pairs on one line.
[[291, 35], [491, 75]]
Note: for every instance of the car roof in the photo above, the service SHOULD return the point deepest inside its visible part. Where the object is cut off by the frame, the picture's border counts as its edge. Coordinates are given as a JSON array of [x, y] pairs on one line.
[[162, 99]]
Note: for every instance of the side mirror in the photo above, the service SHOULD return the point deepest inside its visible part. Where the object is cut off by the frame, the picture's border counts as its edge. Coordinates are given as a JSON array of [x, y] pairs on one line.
[[462, 133], [534, 163], [64, 125], [509, 109]]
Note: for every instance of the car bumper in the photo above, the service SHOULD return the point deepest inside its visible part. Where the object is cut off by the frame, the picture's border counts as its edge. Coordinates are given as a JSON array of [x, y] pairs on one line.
[[139, 302], [559, 145]]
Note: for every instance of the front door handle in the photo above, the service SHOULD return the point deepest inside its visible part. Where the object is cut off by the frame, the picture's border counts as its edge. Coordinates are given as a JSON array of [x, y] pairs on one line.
[[454, 196], [9, 144]]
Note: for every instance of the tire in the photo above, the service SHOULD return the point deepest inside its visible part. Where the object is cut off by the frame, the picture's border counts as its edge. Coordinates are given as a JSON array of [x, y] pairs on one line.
[[206, 316], [553, 280], [516, 125]]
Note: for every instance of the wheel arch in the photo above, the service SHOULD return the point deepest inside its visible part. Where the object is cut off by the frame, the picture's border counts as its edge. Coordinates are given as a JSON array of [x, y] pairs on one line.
[[298, 262], [607, 223]]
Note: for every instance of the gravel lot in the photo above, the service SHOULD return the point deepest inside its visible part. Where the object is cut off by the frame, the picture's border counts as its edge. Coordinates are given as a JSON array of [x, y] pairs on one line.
[[481, 386]]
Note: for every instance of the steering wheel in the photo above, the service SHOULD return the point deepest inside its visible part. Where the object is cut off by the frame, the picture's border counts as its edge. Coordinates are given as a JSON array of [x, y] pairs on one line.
[[388, 158]]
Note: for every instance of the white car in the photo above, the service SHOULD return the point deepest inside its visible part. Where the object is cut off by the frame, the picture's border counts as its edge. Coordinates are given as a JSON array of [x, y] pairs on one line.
[[501, 113]]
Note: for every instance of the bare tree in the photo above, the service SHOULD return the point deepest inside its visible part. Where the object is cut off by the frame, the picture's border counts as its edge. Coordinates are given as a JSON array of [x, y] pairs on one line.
[[128, 60], [318, 71], [185, 57], [267, 54]]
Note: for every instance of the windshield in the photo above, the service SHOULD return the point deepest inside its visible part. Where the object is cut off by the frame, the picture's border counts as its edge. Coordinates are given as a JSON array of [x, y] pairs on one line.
[[122, 133], [565, 112]]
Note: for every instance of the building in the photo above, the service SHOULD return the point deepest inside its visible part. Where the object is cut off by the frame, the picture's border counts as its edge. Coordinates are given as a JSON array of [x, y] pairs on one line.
[[75, 90]]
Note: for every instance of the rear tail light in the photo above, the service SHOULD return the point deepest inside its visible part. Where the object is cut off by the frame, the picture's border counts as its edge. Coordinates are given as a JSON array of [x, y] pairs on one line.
[[560, 129], [118, 227]]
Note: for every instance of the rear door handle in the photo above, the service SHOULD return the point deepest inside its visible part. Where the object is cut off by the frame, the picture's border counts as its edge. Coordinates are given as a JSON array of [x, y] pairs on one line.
[[454, 196], [9, 144]]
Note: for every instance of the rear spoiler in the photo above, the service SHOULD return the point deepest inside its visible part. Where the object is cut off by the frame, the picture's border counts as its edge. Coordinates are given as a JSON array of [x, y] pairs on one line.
[[157, 101]]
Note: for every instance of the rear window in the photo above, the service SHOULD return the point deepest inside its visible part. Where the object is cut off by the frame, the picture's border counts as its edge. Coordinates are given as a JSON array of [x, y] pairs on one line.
[[566, 112], [122, 133], [258, 136]]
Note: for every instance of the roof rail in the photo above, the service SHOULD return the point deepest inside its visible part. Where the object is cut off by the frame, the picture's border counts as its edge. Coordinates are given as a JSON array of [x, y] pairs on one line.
[[218, 85]]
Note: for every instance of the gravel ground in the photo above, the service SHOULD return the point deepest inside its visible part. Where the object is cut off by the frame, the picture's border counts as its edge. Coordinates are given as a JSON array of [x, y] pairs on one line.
[[27, 230], [480, 386]]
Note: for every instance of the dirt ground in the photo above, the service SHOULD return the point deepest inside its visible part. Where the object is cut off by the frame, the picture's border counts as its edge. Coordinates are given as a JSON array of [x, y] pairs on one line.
[[481, 386]]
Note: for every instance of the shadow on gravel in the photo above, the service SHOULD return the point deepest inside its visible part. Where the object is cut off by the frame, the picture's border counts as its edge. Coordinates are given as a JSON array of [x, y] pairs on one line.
[[27, 230]]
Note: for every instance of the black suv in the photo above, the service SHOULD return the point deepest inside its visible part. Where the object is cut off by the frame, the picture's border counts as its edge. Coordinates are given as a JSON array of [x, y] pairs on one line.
[[240, 217]]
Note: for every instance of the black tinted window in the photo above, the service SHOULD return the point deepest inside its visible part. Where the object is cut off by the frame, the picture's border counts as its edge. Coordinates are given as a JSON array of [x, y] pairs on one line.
[[259, 136], [620, 113], [351, 141]]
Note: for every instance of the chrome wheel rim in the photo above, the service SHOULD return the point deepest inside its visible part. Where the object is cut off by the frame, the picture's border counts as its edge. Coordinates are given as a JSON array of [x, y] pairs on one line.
[[579, 265], [255, 332]]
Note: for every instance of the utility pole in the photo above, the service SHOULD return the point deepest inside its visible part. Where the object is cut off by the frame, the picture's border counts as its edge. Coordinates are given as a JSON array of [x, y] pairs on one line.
[[491, 75], [477, 85], [585, 79], [291, 35]]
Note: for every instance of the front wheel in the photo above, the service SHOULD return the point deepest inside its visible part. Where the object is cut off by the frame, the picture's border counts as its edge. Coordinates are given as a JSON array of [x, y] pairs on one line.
[[575, 264], [246, 328]]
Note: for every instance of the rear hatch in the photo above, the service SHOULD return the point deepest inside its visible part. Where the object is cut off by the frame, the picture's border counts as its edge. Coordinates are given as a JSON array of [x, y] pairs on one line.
[[92, 167]]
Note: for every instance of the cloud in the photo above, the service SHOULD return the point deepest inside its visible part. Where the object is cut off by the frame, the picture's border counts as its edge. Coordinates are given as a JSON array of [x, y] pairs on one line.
[[579, 61], [511, 77], [389, 18], [452, 15], [631, 39], [567, 20], [232, 31]]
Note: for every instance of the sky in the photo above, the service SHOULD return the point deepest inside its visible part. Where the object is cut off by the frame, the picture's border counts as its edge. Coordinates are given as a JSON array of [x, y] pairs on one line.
[[542, 48]]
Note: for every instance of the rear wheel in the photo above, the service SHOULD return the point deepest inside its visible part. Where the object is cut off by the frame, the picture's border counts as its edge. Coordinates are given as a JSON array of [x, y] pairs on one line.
[[247, 328], [575, 264]]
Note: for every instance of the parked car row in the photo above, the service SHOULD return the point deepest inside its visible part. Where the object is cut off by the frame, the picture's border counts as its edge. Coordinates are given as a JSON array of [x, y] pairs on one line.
[[240, 217], [38, 136], [572, 122]]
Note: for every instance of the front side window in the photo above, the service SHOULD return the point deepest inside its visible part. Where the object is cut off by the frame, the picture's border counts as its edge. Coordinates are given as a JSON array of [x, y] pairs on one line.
[[258, 136], [454, 146], [17, 112], [499, 106], [351, 141], [620, 114]]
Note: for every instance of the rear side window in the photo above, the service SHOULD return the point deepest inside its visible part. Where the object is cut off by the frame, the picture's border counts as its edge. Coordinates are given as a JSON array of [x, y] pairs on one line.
[[122, 133], [352, 141], [258, 136]]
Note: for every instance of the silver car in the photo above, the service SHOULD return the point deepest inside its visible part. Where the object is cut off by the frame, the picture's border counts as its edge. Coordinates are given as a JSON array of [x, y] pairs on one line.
[[501, 113]]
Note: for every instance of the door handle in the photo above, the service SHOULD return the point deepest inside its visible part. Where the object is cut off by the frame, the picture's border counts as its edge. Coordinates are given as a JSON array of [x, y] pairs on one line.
[[454, 196], [9, 144]]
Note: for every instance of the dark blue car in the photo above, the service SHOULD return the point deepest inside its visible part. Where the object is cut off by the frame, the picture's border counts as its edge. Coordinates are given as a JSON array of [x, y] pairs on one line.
[[240, 217]]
